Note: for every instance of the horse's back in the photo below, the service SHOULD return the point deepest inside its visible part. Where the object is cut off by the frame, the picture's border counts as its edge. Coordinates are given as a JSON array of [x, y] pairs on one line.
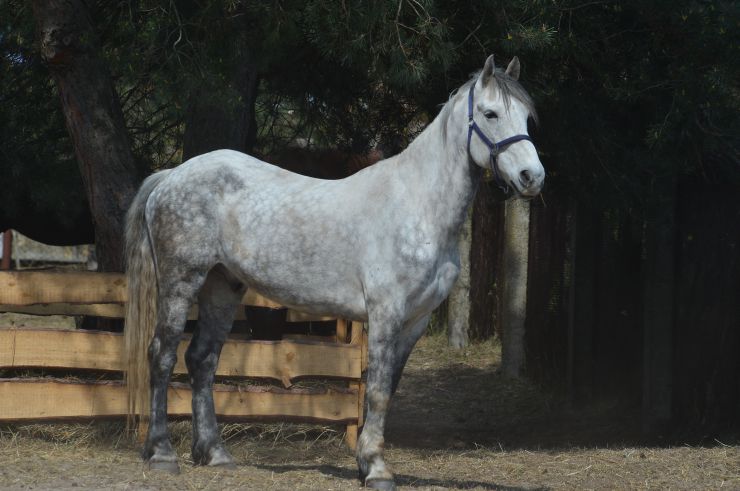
[[282, 233], [220, 165]]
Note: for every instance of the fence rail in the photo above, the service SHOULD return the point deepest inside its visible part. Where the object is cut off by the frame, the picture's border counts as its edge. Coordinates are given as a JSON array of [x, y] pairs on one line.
[[86, 293], [97, 294], [29, 399]]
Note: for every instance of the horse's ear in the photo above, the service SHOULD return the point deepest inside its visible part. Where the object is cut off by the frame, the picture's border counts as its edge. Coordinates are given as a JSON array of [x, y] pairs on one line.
[[487, 72], [513, 69]]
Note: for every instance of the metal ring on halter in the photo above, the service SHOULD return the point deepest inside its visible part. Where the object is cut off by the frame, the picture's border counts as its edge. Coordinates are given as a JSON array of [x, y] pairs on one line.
[[495, 148]]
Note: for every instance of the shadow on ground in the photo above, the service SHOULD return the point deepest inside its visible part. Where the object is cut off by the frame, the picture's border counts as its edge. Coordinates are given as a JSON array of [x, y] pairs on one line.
[[401, 479], [465, 407]]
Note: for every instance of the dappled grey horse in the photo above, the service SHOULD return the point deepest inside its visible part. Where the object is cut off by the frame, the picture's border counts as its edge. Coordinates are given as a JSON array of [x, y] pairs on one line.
[[379, 246]]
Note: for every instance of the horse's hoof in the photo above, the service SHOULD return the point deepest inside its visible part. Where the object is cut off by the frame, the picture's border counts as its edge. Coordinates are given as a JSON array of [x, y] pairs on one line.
[[221, 458], [382, 484], [164, 465]]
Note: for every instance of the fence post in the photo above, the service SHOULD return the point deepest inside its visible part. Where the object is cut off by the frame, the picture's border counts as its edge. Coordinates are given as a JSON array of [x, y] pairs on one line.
[[7, 249], [358, 336], [354, 333], [342, 337]]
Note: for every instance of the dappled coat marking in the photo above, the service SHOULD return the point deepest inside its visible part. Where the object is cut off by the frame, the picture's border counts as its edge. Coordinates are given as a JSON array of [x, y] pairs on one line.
[[379, 246]]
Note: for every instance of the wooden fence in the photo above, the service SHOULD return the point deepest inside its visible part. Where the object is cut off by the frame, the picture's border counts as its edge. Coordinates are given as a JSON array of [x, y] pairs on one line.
[[341, 358]]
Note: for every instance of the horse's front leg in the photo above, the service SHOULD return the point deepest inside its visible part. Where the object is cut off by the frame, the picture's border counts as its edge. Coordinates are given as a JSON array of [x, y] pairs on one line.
[[383, 331], [407, 339], [217, 303]]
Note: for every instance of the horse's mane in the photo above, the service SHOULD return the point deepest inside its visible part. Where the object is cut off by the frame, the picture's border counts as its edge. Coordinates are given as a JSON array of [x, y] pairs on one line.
[[508, 86]]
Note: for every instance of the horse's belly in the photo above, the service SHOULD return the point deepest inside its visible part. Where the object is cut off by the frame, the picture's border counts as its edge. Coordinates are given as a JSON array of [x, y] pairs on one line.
[[306, 289], [347, 308], [332, 304]]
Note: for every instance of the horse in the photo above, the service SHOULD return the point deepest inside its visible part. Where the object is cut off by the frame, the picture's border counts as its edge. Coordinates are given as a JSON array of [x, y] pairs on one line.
[[267, 323], [224, 222]]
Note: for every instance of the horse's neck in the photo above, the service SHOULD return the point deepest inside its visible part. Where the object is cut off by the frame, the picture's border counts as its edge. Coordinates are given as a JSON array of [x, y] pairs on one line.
[[440, 174]]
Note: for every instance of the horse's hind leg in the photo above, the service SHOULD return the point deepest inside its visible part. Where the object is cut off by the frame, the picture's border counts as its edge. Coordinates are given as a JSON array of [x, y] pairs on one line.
[[217, 303], [175, 298]]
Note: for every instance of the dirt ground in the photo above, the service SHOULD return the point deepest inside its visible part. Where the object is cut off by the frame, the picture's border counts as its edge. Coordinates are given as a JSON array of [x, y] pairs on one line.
[[455, 424]]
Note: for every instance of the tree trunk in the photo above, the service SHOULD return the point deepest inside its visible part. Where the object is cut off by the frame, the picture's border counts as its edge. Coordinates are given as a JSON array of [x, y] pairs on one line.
[[585, 249], [485, 261], [658, 310], [516, 257], [92, 112], [458, 303]]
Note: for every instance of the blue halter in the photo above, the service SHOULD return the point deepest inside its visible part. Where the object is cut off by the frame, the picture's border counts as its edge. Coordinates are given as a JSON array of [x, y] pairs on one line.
[[495, 148]]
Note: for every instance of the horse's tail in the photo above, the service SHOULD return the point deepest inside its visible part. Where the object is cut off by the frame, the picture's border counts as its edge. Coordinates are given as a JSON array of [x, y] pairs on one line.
[[141, 308]]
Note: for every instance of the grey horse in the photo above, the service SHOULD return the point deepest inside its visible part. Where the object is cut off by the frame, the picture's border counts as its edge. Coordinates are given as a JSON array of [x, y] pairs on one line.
[[379, 246]]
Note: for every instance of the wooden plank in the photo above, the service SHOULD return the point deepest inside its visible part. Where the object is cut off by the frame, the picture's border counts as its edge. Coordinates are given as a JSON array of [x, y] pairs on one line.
[[117, 311], [311, 337], [7, 249], [363, 344], [51, 348], [342, 325], [344, 335], [298, 316], [44, 399], [96, 294], [359, 338], [256, 300], [78, 287], [109, 310], [357, 332], [281, 360], [34, 287], [351, 436], [285, 360]]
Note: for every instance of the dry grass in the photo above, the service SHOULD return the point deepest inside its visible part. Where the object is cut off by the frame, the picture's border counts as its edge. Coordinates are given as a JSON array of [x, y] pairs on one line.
[[455, 424]]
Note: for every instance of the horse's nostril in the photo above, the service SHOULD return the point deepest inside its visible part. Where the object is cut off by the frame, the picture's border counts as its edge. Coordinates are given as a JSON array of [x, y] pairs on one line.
[[526, 177]]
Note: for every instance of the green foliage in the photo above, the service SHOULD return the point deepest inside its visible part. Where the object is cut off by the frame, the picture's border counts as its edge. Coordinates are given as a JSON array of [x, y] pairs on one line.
[[401, 44], [634, 92], [628, 92], [38, 171]]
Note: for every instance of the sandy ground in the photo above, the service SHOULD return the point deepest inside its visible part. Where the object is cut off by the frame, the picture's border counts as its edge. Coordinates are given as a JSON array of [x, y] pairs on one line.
[[455, 424]]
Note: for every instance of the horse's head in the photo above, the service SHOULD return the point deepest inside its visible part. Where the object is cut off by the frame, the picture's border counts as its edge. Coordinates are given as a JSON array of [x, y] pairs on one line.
[[498, 110]]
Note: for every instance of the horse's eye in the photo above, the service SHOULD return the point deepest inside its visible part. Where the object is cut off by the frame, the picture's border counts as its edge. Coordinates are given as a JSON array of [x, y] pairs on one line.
[[490, 114]]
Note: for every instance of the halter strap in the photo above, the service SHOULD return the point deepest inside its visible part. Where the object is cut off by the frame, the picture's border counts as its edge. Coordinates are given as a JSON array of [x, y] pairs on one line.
[[494, 147]]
